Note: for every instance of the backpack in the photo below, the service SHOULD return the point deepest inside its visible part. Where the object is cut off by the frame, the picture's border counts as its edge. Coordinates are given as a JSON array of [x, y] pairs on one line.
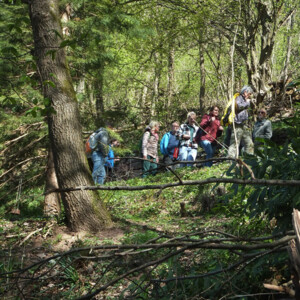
[[99, 141], [88, 148], [199, 134], [229, 114]]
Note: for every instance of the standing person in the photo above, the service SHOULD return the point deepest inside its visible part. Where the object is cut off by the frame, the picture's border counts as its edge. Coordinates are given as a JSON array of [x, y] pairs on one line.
[[149, 149], [110, 159], [99, 141], [242, 130], [188, 146], [169, 143], [213, 129], [262, 127]]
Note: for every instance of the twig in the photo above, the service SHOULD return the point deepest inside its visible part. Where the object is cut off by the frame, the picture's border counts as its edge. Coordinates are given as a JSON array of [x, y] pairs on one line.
[[29, 235], [22, 163], [247, 167]]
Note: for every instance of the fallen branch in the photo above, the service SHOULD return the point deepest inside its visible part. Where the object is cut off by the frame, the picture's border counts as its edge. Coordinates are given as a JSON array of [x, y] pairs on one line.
[[237, 243], [281, 289], [265, 182]]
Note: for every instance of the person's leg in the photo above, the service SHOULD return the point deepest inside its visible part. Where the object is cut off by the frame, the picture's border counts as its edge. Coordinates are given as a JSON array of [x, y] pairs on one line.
[[232, 148], [167, 161], [247, 140], [206, 145], [98, 168], [153, 166], [192, 155], [146, 168], [183, 154], [228, 136]]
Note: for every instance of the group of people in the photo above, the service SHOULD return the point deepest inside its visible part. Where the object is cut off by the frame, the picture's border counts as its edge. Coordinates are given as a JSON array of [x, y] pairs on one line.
[[182, 141]]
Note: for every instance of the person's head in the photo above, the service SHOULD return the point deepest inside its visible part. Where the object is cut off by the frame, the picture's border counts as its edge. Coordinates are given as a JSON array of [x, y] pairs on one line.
[[246, 91], [114, 143], [191, 118], [175, 126], [154, 126], [262, 113], [214, 111]]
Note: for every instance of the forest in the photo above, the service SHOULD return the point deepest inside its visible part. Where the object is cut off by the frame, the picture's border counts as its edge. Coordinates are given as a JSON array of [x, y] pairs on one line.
[[67, 68]]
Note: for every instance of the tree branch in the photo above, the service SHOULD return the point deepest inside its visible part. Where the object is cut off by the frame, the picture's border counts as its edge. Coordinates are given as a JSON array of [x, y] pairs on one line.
[[265, 182]]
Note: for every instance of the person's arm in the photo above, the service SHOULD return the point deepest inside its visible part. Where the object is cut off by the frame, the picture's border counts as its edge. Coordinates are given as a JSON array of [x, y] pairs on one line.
[[182, 133], [268, 130], [242, 103], [164, 144], [205, 121], [145, 143]]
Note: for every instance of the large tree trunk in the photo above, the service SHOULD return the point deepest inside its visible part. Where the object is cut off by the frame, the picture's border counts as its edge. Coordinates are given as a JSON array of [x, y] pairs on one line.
[[83, 209]]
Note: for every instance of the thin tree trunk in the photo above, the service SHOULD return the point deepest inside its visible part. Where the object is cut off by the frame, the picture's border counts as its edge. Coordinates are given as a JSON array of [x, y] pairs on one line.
[[284, 75], [99, 98], [171, 79], [232, 89], [155, 83], [84, 210], [202, 78], [52, 200], [144, 96]]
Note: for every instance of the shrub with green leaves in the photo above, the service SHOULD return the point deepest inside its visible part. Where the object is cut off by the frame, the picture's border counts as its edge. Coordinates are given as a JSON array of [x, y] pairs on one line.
[[273, 161]]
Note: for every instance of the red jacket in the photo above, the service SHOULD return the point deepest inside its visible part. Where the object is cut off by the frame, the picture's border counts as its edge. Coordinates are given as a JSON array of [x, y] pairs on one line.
[[211, 127]]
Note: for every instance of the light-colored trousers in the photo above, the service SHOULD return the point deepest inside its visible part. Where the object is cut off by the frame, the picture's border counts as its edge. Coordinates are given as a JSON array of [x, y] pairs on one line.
[[243, 134]]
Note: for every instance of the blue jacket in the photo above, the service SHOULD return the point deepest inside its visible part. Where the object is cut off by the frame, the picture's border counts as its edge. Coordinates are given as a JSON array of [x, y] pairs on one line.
[[164, 143], [110, 158]]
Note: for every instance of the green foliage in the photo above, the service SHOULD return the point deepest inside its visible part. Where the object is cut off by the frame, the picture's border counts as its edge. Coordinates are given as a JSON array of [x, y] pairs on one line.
[[139, 237], [124, 48], [272, 161]]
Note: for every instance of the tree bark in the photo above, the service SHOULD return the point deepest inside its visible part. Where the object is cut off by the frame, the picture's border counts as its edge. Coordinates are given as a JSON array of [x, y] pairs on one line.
[[52, 200], [84, 210]]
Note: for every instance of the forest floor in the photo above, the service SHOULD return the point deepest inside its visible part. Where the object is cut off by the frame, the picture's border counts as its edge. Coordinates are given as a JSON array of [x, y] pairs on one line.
[[138, 217]]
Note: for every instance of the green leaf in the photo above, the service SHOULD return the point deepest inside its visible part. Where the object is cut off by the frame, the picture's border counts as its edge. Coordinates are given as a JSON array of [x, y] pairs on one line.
[[10, 50]]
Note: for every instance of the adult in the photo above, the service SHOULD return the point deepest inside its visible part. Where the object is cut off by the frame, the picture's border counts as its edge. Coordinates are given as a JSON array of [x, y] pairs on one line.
[[149, 149], [110, 159], [188, 146], [242, 132], [212, 129], [262, 127], [169, 143], [99, 143]]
